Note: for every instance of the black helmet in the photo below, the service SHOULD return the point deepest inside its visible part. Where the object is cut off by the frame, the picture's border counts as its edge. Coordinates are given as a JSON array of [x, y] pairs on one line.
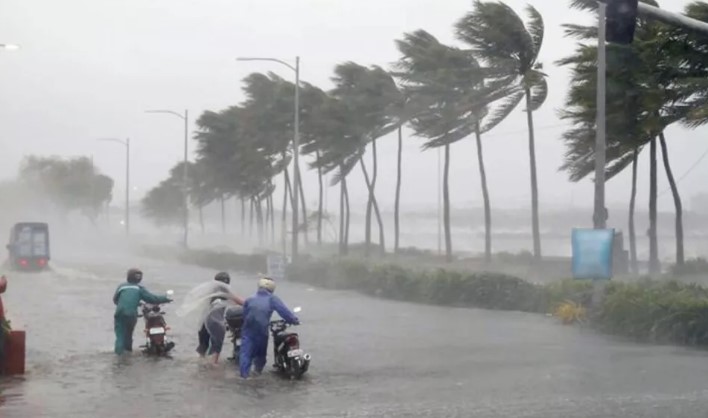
[[134, 276], [223, 277]]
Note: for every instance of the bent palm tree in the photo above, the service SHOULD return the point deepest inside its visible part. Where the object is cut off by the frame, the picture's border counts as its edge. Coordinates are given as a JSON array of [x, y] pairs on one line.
[[509, 49], [438, 79]]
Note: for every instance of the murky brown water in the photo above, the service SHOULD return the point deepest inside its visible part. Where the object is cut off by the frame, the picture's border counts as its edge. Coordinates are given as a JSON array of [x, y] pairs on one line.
[[370, 358]]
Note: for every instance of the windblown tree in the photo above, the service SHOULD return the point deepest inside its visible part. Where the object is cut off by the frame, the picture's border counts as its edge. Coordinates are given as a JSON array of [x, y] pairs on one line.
[[368, 94], [643, 98], [246, 147], [72, 184], [509, 49], [438, 78], [164, 204], [311, 99], [339, 150]]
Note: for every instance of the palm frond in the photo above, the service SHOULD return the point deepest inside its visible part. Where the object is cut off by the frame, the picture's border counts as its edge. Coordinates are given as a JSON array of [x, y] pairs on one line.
[[535, 28]]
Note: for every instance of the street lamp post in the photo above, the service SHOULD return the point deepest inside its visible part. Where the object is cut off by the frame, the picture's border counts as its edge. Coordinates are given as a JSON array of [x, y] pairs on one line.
[[185, 181], [600, 216], [126, 143], [296, 143]]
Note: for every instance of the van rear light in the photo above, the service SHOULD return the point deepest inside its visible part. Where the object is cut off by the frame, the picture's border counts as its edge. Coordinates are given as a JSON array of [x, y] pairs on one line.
[[42, 262], [23, 262]]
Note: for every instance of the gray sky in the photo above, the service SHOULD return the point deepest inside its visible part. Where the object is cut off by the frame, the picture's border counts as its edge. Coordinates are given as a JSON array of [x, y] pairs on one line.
[[89, 68]]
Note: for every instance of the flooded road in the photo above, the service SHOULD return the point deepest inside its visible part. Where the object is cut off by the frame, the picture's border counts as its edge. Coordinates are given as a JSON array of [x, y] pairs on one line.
[[370, 358]]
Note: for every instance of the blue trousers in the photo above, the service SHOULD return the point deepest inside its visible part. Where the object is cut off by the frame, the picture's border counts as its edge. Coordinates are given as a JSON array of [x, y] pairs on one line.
[[254, 349]]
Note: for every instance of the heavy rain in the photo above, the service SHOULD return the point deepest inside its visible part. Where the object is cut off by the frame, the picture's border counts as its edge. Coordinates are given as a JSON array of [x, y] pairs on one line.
[[426, 209]]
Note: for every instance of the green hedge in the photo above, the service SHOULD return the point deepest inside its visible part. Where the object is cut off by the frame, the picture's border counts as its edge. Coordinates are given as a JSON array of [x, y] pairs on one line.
[[438, 286], [664, 312], [656, 311]]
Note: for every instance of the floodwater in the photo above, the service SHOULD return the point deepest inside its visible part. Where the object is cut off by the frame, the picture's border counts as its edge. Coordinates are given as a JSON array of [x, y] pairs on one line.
[[370, 358]]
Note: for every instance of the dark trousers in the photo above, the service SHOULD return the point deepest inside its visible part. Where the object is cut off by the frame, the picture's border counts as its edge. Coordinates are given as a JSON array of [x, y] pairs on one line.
[[203, 341]]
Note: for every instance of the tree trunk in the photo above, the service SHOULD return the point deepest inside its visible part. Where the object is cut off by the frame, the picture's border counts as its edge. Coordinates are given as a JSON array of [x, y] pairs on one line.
[[341, 217], [272, 220], [243, 217], [250, 216], [305, 230], [485, 198], [397, 204], [654, 267], [266, 220], [369, 202], [201, 218], [347, 219], [534, 181], [446, 205], [677, 202], [259, 219], [375, 204], [284, 220], [223, 215], [632, 231], [320, 202]]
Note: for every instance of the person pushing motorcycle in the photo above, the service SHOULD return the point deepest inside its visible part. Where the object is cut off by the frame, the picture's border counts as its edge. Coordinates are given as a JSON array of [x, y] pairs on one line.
[[257, 311], [211, 334], [127, 298]]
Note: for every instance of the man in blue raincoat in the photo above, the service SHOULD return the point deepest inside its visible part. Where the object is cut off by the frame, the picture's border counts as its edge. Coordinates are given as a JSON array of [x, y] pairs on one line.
[[257, 311], [127, 298]]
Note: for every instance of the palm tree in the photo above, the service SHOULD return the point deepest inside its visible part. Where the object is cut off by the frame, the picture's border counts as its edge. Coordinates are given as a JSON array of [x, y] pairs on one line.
[[311, 98], [438, 78], [368, 94], [644, 96], [339, 150], [510, 49], [632, 231]]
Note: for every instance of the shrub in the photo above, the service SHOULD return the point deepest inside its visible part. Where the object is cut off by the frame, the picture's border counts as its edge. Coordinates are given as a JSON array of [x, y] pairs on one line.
[[441, 287], [656, 311], [693, 266]]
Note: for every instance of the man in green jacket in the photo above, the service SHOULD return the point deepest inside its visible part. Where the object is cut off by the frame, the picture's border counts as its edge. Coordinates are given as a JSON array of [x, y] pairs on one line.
[[127, 298]]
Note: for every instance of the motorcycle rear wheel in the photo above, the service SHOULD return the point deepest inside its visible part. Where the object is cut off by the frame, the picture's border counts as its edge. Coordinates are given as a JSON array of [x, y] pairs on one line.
[[296, 370]]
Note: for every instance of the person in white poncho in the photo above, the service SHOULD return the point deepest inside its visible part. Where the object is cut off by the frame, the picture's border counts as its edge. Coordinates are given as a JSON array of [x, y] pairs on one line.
[[211, 300]]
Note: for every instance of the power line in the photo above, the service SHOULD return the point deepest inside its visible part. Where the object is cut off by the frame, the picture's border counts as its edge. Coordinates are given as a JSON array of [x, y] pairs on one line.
[[704, 155]]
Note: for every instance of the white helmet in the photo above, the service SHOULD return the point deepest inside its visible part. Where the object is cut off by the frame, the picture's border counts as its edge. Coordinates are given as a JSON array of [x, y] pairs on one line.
[[266, 283]]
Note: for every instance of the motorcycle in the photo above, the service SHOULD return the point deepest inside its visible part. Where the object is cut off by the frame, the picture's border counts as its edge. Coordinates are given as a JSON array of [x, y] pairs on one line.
[[234, 323], [290, 359], [156, 329]]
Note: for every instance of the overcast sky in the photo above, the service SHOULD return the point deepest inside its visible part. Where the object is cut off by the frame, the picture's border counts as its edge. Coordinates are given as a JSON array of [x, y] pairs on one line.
[[89, 69]]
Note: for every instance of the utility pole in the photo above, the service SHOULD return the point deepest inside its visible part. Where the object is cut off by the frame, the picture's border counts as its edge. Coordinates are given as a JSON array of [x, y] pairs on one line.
[[599, 215]]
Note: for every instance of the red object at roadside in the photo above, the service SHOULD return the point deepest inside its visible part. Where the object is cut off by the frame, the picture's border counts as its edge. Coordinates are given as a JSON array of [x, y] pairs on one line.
[[13, 361]]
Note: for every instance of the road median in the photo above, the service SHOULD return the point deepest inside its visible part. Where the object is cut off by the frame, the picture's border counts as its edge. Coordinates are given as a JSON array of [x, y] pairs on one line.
[[658, 311]]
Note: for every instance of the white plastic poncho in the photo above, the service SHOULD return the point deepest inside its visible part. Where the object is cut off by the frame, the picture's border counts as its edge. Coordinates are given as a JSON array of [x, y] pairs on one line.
[[198, 302]]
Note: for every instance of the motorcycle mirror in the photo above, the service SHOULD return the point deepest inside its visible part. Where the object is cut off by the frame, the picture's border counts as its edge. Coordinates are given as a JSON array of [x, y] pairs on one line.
[[297, 309], [170, 292]]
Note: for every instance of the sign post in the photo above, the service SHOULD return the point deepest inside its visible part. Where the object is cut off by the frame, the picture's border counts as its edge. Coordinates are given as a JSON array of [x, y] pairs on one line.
[[276, 266], [592, 258]]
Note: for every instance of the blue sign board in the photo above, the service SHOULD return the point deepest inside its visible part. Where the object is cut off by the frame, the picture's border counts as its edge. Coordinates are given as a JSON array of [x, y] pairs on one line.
[[592, 253]]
